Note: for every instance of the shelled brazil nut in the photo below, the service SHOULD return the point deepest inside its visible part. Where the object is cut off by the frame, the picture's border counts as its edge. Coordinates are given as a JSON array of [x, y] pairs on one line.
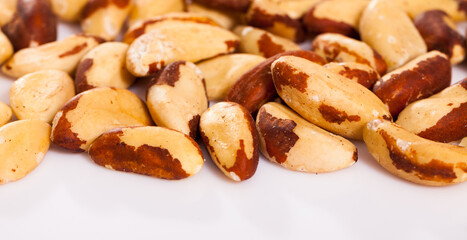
[[68, 10], [6, 49], [225, 19], [360, 73], [5, 113], [7, 10], [144, 9]]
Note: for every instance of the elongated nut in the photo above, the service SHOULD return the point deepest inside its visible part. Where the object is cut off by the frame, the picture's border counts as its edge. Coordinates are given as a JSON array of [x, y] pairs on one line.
[[68, 10], [60, 55], [420, 78], [6, 49], [23, 145], [337, 16], [389, 30], [456, 9], [164, 45], [40, 95], [5, 114], [259, 42], [147, 25], [324, 98], [255, 87], [413, 158], [441, 117], [339, 48], [363, 74], [230, 135], [225, 19], [177, 97], [104, 66], [144, 9], [230, 5], [280, 17], [7, 10], [440, 33], [152, 151], [298, 145], [104, 18], [223, 71], [91, 113], [32, 25]]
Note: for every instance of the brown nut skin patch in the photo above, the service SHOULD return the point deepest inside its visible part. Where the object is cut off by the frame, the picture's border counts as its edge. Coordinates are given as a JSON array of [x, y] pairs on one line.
[[32, 25], [360, 73], [439, 35], [268, 47], [451, 127], [231, 5], [317, 25], [429, 76], [256, 87], [333, 115], [94, 5], [81, 82]]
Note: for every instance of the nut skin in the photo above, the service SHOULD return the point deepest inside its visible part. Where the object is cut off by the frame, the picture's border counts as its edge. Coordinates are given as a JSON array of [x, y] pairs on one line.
[[441, 117], [294, 143], [413, 158], [389, 30], [338, 48], [104, 18], [152, 151], [32, 25], [23, 146], [61, 55], [231, 138], [439, 32], [165, 45], [362, 74], [336, 16], [177, 97], [422, 77], [40, 95], [145, 9], [147, 25], [259, 42], [230, 5], [324, 98], [91, 113], [256, 87], [6, 48], [104, 66], [5, 113], [223, 71]]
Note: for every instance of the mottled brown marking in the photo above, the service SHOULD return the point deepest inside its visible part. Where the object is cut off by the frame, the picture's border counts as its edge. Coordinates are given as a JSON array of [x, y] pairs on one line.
[[33, 24], [438, 35], [109, 150], [317, 25], [333, 115], [463, 83], [333, 49], [193, 126], [380, 65], [365, 78], [355, 155], [428, 77], [286, 75], [74, 51], [230, 5], [462, 166], [450, 104], [81, 81], [154, 67], [278, 135], [435, 170], [268, 47], [168, 75], [451, 127], [256, 87], [232, 45], [62, 134], [94, 5]]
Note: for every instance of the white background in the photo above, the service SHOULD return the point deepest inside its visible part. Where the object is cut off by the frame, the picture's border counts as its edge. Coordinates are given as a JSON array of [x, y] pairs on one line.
[[69, 197]]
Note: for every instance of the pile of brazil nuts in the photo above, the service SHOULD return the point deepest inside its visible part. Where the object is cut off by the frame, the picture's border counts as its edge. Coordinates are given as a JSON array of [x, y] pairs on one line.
[[377, 71]]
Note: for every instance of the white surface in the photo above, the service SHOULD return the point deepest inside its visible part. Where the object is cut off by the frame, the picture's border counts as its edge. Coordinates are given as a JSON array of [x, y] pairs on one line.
[[69, 197]]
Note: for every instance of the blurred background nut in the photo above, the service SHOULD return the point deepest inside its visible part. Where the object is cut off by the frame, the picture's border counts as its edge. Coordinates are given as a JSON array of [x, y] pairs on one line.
[[60, 55], [5, 113], [144, 9], [413, 158], [222, 72], [420, 78], [177, 97], [441, 117], [104, 66], [225, 19], [7, 10], [152, 151], [171, 42], [256, 87], [91, 113], [463, 143], [389, 30], [339, 48], [6, 49], [32, 25], [456, 9], [336, 16], [23, 145], [231, 138], [294, 143], [40, 95], [259, 42], [440, 33], [357, 72], [229, 5], [68, 10]]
